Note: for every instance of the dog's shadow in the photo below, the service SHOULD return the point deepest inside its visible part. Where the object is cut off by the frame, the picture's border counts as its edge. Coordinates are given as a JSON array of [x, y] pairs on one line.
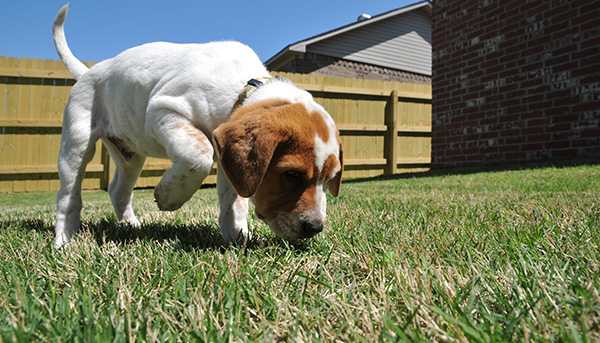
[[180, 235], [183, 236]]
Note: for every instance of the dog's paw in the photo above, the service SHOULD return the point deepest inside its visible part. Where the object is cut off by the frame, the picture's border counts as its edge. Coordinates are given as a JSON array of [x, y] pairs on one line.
[[132, 221], [167, 200], [61, 240], [237, 237]]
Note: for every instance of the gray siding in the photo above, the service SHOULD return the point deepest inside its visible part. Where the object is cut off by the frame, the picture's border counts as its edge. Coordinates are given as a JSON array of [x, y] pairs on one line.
[[402, 42]]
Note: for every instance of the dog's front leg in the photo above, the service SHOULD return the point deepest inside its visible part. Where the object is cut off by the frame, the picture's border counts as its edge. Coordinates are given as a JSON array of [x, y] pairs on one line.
[[192, 156], [233, 215]]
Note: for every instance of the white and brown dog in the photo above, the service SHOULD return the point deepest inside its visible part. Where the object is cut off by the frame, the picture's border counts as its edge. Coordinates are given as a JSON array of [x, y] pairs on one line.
[[273, 142]]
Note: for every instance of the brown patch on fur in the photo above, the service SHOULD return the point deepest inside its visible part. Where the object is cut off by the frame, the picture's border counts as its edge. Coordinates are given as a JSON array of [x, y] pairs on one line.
[[331, 163], [320, 126], [194, 132], [335, 183], [277, 194], [260, 143], [123, 149], [295, 115]]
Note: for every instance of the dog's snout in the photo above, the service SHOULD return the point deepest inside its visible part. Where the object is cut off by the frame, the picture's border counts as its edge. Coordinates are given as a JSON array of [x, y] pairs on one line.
[[311, 228]]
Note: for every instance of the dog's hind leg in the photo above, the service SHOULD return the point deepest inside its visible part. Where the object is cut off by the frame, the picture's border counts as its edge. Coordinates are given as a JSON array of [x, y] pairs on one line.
[[192, 156], [129, 166], [77, 148]]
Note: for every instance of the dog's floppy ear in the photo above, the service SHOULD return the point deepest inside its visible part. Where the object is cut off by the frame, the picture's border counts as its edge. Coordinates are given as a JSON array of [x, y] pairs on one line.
[[245, 148], [334, 184]]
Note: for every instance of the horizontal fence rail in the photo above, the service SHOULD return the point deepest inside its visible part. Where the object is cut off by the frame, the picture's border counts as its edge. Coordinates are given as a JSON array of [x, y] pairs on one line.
[[385, 126]]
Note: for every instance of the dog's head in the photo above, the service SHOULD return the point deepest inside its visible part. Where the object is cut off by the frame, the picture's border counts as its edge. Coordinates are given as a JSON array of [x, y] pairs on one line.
[[283, 155]]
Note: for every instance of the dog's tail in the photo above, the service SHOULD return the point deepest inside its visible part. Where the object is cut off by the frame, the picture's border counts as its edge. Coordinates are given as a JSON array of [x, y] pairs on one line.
[[75, 66]]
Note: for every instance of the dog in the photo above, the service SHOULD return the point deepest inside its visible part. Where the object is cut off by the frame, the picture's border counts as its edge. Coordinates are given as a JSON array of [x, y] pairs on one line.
[[192, 104]]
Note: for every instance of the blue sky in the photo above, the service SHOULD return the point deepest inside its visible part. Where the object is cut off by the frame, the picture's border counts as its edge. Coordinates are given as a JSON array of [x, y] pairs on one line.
[[100, 29]]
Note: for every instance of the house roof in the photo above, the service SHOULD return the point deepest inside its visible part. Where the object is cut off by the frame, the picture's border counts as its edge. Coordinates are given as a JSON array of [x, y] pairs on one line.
[[354, 69], [300, 46]]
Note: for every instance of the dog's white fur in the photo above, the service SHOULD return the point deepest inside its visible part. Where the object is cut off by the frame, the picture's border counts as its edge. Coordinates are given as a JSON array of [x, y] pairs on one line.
[[160, 100]]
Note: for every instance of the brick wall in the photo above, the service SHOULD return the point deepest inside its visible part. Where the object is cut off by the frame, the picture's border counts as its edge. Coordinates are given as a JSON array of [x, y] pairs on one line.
[[515, 81]]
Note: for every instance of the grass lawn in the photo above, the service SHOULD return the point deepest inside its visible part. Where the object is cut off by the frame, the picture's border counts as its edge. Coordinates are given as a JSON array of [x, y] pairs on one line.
[[487, 256]]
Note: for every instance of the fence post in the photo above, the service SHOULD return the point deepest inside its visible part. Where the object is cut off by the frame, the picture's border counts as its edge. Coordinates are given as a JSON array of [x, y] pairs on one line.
[[391, 139], [105, 160]]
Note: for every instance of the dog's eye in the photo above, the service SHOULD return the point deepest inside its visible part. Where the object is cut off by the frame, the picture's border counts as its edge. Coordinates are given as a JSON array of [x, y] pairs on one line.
[[293, 177]]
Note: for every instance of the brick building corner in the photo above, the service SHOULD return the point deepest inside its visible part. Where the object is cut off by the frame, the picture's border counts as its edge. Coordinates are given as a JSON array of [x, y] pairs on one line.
[[515, 82]]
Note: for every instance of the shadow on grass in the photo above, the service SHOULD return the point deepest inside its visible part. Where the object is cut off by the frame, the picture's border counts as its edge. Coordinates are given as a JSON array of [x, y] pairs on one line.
[[187, 237]]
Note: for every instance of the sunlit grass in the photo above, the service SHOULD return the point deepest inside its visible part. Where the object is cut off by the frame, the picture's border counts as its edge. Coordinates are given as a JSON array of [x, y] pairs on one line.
[[487, 256]]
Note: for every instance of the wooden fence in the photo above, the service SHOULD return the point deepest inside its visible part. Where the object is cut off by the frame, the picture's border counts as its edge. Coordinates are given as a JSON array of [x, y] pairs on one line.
[[385, 126]]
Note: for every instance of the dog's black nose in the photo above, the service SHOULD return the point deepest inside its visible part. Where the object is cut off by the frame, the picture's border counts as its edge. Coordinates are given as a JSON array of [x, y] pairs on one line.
[[310, 229]]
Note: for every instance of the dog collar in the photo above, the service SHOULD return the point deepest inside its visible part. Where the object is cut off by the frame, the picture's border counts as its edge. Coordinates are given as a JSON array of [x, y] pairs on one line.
[[254, 83], [251, 86]]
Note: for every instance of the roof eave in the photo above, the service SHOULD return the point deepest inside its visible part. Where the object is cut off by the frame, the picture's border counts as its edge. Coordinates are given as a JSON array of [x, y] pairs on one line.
[[282, 52]]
